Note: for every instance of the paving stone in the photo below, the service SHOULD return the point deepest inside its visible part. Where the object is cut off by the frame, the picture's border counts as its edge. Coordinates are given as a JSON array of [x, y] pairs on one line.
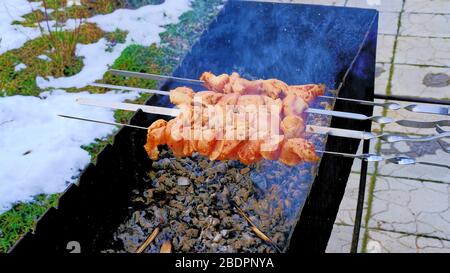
[[341, 239], [385, 48], [381, 5], [409, 80], [434, 6], [347, 209], [377, 111], [381, 81], [423, 51], [388, 23], [393, 242], [425, 25], [430, 152], [382, 71]]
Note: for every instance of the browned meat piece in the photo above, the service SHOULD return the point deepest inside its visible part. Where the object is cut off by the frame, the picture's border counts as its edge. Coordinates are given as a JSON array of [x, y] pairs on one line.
[[181, 95], [297, 150], [242, 86], [228, 99], [225, 149], [292, 126], [228, 88], [273, 88], [215, 83], [308, 92], [251, 100], [206, 142], [294, 105], [247, 122], [207, 97], [270, 148], [249, 152], [173, 136], [155, 137]]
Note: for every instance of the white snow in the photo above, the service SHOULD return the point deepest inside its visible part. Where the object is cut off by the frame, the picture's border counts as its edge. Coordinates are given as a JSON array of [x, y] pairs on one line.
[[73, 3], [44, 57], [96, 61], [143, 25], [40, 152], [19, 67], [14, 36]]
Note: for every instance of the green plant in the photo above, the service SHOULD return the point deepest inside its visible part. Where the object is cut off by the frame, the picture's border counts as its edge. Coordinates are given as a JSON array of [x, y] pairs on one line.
[[101, 6], [116, 37], [22, 218], [63, 43]]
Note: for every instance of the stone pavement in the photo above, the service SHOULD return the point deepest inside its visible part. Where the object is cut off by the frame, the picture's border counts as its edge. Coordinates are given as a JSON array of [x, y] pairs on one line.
[[407, 209]]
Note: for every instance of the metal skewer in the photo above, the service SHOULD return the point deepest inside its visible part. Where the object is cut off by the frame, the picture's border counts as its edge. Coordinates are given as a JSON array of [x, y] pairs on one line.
[[368, 157], [423, 124], [406, 160], [399, 160], [391, 138], [148, 76], [417, 108], [365, 157], [172, 112], [387, 105], [377, 119]]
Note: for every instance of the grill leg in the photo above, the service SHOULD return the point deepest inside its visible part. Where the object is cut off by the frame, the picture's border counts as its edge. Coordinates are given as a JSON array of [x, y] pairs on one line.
[[360, 202]]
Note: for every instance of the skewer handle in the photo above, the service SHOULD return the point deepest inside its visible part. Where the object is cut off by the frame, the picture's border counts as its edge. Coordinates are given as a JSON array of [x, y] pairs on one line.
[[387, 105], [392, 138]]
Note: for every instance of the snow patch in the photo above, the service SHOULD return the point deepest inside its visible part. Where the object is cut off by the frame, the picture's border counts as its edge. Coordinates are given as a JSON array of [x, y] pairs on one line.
[[44, 57], [14, 36], [96, 61], [143, 25], [19, 67], [40, 152]]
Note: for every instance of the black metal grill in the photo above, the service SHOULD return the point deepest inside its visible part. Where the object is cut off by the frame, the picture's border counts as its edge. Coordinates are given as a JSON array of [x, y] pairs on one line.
[[298, 44]]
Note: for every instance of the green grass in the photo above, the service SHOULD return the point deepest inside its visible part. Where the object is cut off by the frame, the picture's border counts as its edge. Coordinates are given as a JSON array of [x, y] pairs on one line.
[[97, 146], [116, 37], [23, 82], [58, 11], [22, 218]]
